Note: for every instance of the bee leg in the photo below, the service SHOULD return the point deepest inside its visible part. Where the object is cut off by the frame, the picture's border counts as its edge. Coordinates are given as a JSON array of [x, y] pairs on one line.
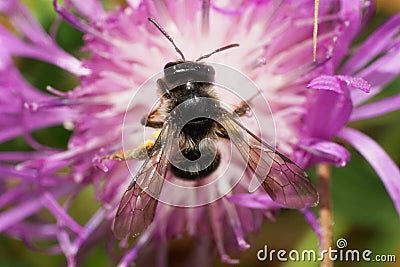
[[149, 121], [242, 109], [139, 153], [153, 124], [116, 156]]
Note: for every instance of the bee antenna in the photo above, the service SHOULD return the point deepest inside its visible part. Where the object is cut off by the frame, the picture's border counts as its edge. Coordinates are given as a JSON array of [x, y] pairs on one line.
[[216, 51], [161, 29]]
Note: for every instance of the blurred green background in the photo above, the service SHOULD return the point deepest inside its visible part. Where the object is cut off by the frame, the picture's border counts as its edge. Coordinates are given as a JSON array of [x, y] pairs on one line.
[[363, 212]]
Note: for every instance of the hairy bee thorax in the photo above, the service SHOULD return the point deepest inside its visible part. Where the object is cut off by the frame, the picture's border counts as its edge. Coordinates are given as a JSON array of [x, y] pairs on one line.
[[192, 106]]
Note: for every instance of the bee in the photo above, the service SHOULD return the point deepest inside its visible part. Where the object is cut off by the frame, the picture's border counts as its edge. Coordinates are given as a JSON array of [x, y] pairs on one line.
[[187, 88]]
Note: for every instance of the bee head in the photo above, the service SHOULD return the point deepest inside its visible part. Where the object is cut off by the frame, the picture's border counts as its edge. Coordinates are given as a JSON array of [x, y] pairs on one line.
[[177, 73]]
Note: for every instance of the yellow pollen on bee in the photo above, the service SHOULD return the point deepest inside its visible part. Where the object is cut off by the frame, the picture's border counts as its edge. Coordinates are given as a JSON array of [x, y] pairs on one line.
[[156, 134], [142, 151], [148, 143]]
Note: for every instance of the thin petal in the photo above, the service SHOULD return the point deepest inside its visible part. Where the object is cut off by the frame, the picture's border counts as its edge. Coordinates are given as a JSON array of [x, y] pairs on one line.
[[37, 44], [233, 218], [325, 82], [377, 59], [78, 23], [66, 246], [25, 22], [30, 206], [380, 73], [378, 159], [313, 221], [18, 213], [91, 9], [377, 43], [351, 14], [325, 151], [254, 201], [334, 83], [29, 230], [90, 226], [62, 216], [218, 234], [376, 108], [142, 240]]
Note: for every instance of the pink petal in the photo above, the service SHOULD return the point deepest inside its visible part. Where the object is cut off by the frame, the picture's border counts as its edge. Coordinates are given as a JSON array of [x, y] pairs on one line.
[[313, 221], [376, 44], [325, 151], [351, 14], [380, 73], [333, 83], [325, 82], [18, 213], [91, 9], [378, 159], [254, 201], [376, 108], [377, 59], [37, 44], [62, 216], [330, 107], [327, 112]]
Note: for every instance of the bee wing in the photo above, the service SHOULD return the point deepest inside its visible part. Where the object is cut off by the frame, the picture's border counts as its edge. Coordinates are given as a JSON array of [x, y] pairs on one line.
[[284, 181], [138, 204]]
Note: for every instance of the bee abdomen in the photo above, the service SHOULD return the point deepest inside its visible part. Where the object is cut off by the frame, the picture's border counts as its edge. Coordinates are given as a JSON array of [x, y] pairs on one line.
[[196, 165]]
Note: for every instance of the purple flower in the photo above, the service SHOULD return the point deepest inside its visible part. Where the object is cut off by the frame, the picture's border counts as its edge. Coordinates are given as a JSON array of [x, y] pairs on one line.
[[312, 102]]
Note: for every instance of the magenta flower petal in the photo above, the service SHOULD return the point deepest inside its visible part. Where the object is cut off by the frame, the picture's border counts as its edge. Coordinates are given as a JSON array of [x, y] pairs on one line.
[[309, 215], [255, 201], [377, 59], [376, 108], [236, 224], [90, 227], [132, 254], [378, 159], [25, 22], [330, 107], [18, 213], [34, 231], [91, 9], [328, 110], [380, 73], [339, 83], [353, 15], [25, 103], [324, 151], [377, 43], [325, 82], [30, 204], [62, 216], [66, 246], [72, 19], [38, 43]]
